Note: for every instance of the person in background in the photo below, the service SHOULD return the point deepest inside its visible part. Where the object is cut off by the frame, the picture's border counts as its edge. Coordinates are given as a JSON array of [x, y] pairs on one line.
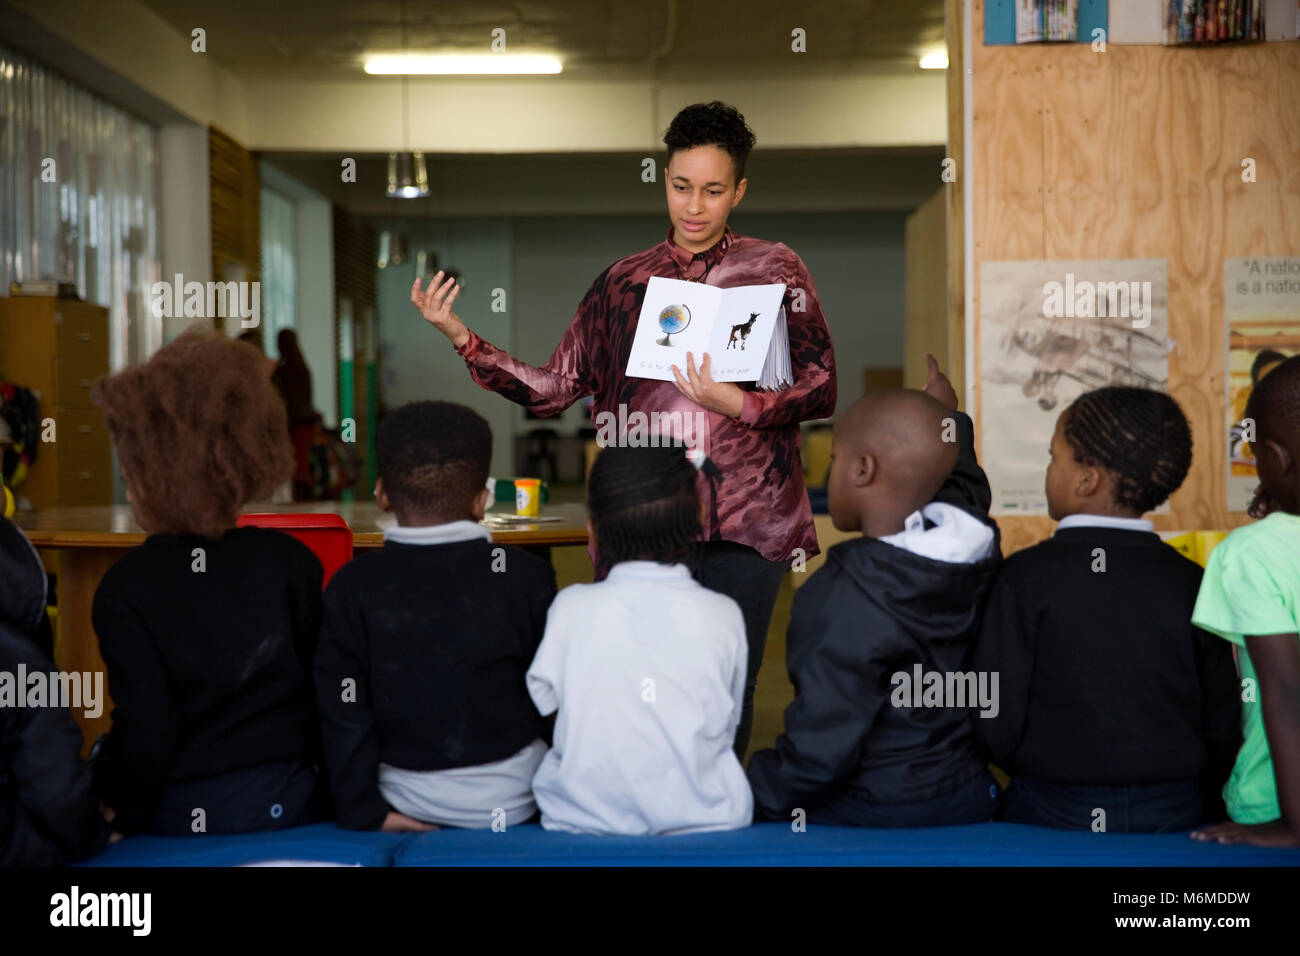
[[254, 338], [292, 378]]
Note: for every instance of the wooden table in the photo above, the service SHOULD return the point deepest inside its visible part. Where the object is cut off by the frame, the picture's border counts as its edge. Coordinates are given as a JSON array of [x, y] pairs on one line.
[[81, 544]]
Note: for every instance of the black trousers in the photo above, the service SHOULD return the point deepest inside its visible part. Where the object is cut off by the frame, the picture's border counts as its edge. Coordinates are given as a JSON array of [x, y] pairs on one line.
[[1149, 808], [752, 581]]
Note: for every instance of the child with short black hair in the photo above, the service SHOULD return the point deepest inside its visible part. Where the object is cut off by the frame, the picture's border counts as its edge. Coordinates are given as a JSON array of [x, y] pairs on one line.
[[645, 668], [48, 811], [207, 629], [1250, 596], [890, 612], [425, 644], [1117, 714]]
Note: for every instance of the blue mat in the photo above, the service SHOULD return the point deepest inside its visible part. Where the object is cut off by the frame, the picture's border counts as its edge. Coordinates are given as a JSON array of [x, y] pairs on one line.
[[766, 844], [320, 843], [775, 844]]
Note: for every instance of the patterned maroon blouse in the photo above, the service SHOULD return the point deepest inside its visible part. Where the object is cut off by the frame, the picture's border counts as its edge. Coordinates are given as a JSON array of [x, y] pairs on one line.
[[761, 500]]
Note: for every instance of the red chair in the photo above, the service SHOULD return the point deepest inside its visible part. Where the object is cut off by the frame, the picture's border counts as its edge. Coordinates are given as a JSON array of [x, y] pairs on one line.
[[328, 536]]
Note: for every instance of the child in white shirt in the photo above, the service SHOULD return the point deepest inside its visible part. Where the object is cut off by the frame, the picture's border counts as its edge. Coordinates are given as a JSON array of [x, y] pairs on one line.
[[646, 668]]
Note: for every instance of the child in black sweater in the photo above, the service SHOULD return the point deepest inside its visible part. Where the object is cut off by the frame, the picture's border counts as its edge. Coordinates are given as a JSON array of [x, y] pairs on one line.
[[207, 630], [879, 732], [425, 644], [48, 811], [1117, 714]]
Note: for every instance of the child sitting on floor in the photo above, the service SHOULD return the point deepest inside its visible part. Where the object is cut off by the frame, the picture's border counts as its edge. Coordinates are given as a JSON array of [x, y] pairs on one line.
[[48, 811], [420, 669], [1117, 714], [646, 668], [207, 630], [891, 616], [1251, 596]]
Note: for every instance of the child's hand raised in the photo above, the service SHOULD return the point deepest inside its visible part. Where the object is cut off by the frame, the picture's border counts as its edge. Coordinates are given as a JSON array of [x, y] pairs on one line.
[[937, 384], [434, 304], [400, 823], [1260, 505]]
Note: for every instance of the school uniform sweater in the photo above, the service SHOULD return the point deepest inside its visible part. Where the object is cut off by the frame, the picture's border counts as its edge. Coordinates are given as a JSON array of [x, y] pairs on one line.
[[421, 667], [208, 646], [1103, 678]]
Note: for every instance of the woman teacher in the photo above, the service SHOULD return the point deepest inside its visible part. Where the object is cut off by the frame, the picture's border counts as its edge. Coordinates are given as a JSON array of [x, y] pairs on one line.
[[758, 519]]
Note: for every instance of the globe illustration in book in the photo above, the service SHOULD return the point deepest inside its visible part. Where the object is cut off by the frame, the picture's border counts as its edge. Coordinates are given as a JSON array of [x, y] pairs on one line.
[[673, 319]]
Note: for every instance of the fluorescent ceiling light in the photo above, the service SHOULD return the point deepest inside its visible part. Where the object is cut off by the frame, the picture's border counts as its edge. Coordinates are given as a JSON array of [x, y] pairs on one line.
[[460, 64], [935, 60]]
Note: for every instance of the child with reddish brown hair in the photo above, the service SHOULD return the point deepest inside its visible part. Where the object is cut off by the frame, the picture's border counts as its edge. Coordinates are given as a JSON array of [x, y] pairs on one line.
[[207, 630]]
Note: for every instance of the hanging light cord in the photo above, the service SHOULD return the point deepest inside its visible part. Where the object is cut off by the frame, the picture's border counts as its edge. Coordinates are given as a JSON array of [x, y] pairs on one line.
[[406, 91]]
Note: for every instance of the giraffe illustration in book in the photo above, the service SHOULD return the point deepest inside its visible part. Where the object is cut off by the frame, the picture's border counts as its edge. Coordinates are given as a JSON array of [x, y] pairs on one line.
[[743, 330]]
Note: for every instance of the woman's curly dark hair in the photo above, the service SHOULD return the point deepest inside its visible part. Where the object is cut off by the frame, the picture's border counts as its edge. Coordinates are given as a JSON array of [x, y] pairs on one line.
[[200, 431], [1139, 435], [712, 124]]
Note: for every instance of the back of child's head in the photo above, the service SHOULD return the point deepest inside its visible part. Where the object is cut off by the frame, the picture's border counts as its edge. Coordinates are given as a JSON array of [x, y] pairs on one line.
[[1274, 407], [643, 504], [1138, 435], [200, 431], [433, 459], [1274, 404], [1264, 362]]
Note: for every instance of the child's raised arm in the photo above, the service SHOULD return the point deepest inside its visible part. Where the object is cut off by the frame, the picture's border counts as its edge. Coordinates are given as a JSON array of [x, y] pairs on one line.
[[967, 487]]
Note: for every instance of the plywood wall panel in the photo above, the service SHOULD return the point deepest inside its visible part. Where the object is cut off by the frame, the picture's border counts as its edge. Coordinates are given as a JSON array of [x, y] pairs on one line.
[[1136, 153]]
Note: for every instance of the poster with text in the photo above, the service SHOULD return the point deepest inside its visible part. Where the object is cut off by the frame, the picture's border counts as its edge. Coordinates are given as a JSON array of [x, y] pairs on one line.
[[1261, 312], [1049, 331]]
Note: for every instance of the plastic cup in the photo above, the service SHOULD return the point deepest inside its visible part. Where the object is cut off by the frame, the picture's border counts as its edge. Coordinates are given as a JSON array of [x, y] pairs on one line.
[[528, 496]]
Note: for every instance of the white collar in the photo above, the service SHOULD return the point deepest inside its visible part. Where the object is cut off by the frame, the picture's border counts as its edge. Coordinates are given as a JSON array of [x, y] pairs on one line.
[[956, 538], [464, 530], [648, 569], [1105, 521]]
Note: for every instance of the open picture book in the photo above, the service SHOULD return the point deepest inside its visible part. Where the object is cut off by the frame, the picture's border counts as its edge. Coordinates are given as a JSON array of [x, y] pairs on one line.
[[743, 330]]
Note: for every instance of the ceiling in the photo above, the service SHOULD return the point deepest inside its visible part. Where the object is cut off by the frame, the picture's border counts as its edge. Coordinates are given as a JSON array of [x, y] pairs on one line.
[[600, 184], [327, 38]]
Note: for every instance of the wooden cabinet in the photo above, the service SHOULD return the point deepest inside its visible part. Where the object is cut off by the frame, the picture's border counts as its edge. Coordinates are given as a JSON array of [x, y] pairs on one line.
[[58, 348]]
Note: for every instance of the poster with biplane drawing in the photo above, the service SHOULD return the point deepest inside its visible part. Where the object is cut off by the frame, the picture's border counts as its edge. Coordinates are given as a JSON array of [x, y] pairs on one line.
[[1049, 331], [1261, 312]]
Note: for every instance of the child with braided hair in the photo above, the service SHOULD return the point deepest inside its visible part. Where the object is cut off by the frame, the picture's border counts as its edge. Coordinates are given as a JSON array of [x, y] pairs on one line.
[[645, 668], [1117, 714], [1251, 597]]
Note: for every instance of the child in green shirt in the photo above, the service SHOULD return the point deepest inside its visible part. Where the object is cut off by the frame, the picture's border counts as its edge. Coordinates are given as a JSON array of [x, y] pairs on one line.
[[1250, 595]]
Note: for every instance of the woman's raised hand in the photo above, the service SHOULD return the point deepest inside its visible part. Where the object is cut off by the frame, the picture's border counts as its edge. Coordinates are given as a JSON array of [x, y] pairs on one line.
[[434, 304]]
